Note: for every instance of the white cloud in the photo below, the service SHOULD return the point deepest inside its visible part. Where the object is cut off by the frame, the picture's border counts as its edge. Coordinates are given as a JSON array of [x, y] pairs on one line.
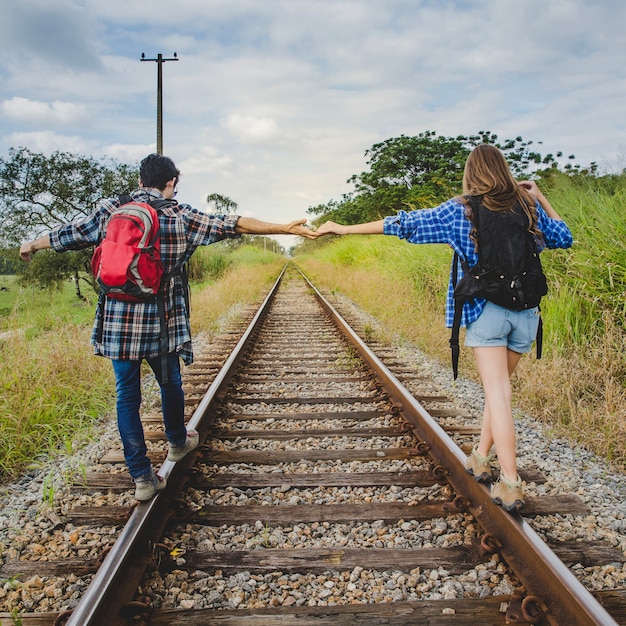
[[274, 103], [44, 113], [127, 153], [248, 128], [48, 141]]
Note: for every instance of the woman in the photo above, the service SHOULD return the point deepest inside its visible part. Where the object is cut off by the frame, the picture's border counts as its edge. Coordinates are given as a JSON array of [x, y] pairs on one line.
[[497, 336]]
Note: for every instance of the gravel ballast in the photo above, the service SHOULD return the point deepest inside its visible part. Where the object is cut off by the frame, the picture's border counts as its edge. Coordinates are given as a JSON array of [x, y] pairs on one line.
[[32, 522]]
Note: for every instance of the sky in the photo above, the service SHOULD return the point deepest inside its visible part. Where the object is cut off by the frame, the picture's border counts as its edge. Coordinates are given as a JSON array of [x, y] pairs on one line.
[[273, 103]]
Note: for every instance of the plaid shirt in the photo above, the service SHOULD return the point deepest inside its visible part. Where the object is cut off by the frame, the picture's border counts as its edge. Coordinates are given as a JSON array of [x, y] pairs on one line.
[[447, 224], [131, 330]]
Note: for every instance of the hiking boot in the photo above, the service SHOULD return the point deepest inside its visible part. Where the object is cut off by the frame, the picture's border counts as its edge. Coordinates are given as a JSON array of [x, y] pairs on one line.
[[479, 466], [176, 453], [147, 486], [508, 494]]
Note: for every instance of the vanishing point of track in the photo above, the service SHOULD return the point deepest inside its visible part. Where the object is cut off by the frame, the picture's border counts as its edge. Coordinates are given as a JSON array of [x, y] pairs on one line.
[[300, 374]]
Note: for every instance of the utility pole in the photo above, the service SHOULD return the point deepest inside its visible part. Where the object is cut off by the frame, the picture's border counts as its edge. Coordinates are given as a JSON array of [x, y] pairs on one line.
[[159, 61]]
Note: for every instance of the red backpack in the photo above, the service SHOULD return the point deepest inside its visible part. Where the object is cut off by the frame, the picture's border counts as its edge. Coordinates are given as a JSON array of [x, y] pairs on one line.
[[127, 262]]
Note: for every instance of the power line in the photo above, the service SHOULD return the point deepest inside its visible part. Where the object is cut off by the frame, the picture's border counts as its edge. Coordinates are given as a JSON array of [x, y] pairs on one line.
[[159, 61]]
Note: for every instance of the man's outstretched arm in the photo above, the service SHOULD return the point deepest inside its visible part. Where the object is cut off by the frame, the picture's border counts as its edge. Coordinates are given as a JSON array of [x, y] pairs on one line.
[[252, 226], [28, 248]]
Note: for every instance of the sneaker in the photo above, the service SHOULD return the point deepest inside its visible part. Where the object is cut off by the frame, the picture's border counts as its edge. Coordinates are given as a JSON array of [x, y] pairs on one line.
[[479, 466], [176, 453], [508, 494], [147, 486]]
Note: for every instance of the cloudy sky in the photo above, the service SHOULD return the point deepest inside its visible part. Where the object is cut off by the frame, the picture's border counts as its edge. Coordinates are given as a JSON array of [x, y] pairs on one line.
[[274, 102]]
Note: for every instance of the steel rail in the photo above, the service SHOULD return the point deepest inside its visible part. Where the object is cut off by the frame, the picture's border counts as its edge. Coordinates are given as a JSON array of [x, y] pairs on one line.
[[564, 599], [115, 583]]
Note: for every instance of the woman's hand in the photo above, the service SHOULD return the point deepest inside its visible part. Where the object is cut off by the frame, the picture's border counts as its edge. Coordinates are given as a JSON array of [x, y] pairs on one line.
[[331, 228], [531, 187]]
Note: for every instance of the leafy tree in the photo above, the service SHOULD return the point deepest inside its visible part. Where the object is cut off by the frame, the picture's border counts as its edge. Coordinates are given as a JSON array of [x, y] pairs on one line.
[[400, 164], [222, 204], [263, 241], [38, 192], [8, 262], [423, 171]]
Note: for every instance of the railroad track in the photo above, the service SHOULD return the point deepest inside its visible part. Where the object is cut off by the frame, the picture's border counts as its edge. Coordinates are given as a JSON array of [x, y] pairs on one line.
[[324, 493]]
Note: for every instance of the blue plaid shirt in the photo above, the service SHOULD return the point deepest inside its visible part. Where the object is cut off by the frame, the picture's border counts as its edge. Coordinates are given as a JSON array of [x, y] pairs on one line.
[[131, 331], [447, 224]]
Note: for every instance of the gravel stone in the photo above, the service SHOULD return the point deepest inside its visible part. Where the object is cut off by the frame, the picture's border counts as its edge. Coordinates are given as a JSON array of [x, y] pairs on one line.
[[32, 510]]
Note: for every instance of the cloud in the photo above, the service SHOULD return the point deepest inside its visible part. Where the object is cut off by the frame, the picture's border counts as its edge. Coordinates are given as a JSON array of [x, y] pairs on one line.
[[127, 153], [250, 129], [48, 141], [59, 34], [44, 113]]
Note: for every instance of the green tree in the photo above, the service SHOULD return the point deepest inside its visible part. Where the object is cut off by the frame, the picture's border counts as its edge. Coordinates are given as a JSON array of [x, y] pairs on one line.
[[39, 192], [221, 204], [425, 170]]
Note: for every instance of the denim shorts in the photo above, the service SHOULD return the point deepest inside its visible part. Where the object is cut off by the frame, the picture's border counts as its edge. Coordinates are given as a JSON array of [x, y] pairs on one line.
[[497, 326]]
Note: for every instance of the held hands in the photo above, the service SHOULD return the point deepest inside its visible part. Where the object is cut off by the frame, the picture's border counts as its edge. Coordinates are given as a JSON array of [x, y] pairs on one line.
[[328, 228], [297, 228]]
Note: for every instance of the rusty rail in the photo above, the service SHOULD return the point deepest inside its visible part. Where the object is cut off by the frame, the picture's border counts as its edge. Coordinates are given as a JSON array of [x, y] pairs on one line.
[[106, 596], [521, 547], [564, 600]]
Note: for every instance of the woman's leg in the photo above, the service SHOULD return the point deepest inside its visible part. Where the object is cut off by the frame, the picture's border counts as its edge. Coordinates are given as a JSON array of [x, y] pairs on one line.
[[495, 366]]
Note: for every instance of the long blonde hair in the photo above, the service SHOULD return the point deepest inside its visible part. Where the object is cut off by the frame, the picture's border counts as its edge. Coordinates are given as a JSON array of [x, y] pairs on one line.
[[487, 174]]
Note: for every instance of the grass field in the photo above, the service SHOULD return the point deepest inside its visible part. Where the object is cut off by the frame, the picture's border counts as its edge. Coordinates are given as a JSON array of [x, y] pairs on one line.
[[578, 388], [54, 389]]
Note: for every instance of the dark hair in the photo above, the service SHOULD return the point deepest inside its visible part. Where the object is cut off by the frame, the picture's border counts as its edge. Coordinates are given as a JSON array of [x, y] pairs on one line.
[[156, 170]]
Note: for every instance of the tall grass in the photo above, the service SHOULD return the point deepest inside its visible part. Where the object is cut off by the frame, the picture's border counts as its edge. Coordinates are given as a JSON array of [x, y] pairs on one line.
[[251, 272], [53, 389], [579, 386], [401, 285]]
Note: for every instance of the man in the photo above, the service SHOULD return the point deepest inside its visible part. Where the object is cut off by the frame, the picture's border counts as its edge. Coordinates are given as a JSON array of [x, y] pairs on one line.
[[129, 332]]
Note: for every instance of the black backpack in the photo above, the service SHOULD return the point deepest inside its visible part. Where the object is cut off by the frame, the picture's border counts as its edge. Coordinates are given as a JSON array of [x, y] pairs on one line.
[[508, 271]]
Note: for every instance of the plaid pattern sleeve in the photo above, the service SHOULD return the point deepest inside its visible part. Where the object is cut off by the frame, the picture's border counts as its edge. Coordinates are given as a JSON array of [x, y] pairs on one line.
[[83, 232], [556, 233], [444, 224], [447, 224]]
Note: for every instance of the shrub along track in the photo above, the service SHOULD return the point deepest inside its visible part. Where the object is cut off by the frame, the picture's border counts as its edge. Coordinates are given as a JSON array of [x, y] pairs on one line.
[[324, 493]]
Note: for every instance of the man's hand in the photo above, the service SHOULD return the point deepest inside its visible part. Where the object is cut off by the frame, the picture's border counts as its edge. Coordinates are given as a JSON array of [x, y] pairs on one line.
[[27, 251], [28, 248], [297, 228]]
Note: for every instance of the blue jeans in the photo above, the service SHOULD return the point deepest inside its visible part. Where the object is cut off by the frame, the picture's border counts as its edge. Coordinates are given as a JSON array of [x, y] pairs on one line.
[[128, 388]]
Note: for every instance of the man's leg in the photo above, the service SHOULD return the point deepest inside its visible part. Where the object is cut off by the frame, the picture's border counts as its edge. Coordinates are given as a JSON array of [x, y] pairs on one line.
[[128, 388], [172, 398]]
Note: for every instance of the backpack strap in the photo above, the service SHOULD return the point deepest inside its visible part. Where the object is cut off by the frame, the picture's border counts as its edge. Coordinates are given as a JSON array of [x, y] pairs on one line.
[[157, 204], [164, 338], [456, 323], [539, 338], [458, 302]]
